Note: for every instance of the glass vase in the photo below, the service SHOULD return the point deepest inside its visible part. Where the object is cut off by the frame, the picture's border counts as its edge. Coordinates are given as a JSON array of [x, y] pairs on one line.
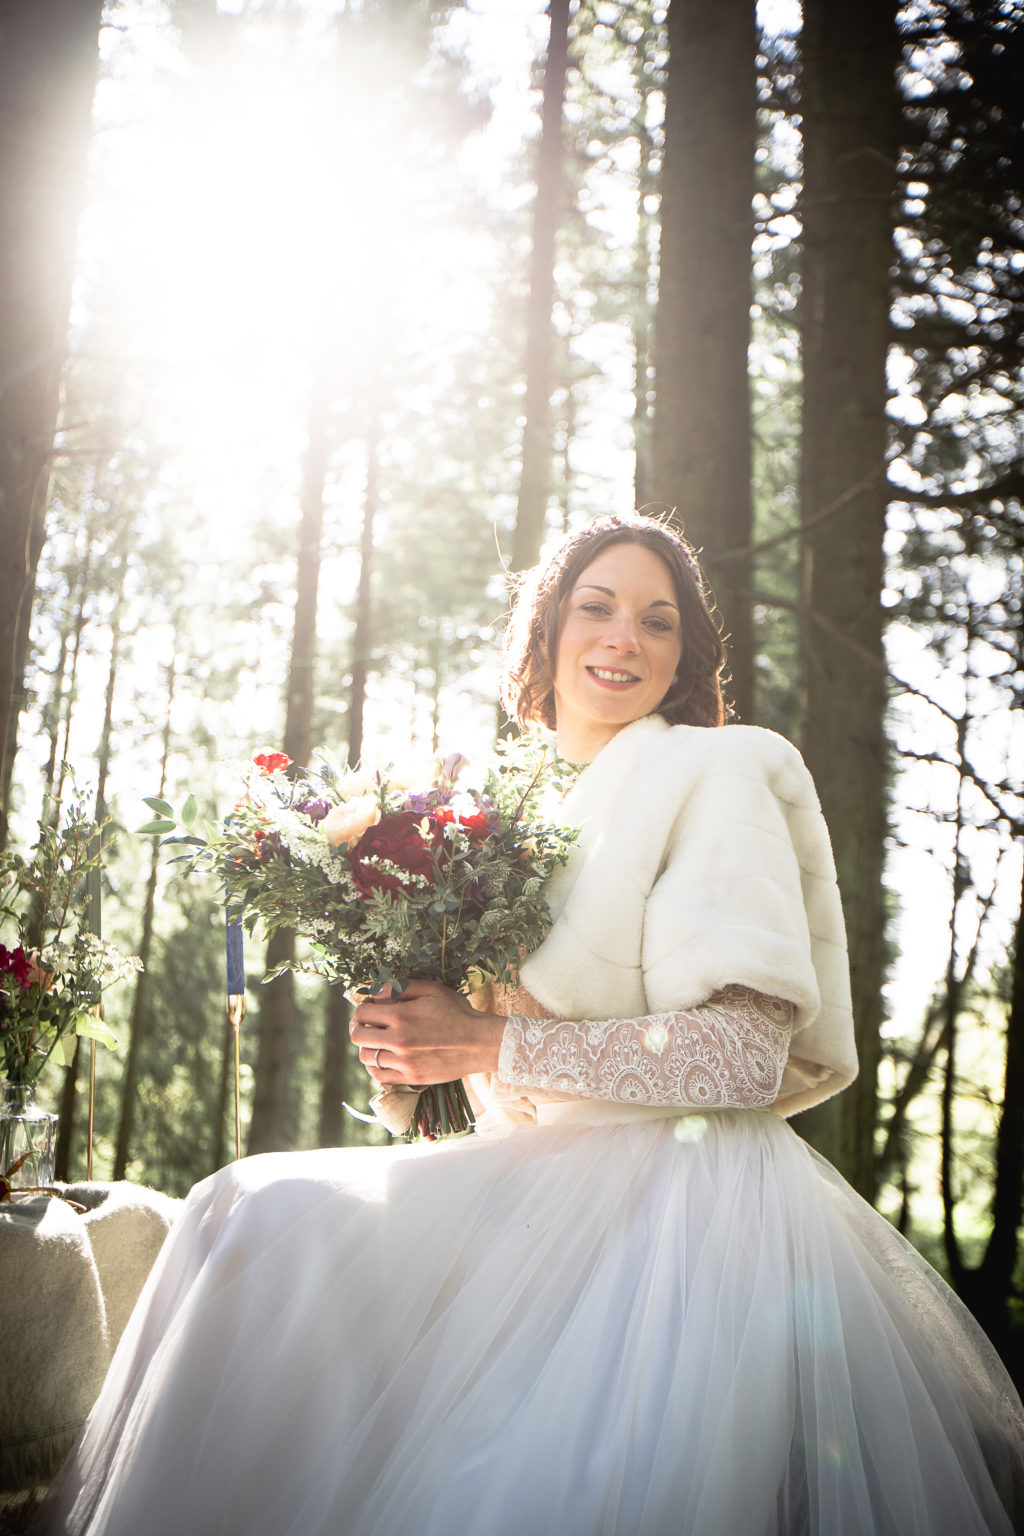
[[28, 1138]]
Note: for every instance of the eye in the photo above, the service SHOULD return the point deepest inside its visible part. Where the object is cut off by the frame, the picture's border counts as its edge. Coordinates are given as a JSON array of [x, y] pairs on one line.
[[596, 610], [659, 626]]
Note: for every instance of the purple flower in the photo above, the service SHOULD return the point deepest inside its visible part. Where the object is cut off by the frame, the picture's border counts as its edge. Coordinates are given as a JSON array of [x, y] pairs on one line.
[[269, 846], [425, 802], [316, 807]]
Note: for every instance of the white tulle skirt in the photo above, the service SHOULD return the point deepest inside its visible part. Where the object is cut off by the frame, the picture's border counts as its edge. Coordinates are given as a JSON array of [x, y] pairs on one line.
[[684, 1326]]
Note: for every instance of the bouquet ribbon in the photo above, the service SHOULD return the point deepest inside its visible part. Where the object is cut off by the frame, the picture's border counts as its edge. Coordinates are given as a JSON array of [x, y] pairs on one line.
[[394, 1106]]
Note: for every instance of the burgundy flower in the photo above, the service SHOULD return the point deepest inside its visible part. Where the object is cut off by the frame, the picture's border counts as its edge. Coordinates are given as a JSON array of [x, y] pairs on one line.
[[16, 963], [395, 856], [268, 845]]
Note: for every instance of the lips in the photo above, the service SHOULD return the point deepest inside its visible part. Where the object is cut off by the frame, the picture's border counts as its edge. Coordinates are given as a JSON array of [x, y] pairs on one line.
[[612, 677]]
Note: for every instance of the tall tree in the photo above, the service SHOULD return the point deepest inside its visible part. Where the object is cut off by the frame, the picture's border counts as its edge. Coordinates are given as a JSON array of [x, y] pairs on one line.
[[129, 1090], [535, 479], [274, 1122], [48, 64], [363, 628], [701, 438], [849, 107]]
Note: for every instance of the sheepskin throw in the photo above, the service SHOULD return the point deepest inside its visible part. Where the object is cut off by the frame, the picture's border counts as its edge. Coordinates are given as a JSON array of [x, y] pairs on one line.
[[69, 1281], [703, 859]]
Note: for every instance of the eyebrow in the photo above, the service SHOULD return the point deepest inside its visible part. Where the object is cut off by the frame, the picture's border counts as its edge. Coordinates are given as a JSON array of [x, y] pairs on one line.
[[591, 586]]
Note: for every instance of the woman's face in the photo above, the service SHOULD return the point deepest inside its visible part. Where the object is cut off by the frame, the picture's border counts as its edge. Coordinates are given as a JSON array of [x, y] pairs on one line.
[[620, 641]]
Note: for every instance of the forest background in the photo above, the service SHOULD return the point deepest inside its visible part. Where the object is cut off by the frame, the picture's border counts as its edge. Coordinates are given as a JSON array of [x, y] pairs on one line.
[[318, 320]]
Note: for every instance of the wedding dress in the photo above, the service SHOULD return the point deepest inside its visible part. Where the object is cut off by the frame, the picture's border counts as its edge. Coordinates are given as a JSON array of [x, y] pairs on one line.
[[635, 1304]]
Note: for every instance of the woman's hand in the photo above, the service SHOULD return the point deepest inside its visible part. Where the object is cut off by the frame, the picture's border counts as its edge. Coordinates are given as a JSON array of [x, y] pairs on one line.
[[428, 1035]]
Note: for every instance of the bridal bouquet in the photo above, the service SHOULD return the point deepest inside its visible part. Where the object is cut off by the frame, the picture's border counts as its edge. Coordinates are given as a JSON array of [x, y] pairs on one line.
[[389, 882]]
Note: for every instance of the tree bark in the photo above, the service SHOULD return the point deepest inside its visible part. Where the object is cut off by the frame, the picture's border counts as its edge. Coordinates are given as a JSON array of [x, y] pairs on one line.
[[48, 65], [535, 480], [22, 645], [701, 456], [274, 1124], [995, 1276], [363, 629], [136, 1027], [335, 1070], [988, 1287], [643, 370], [849, 107]]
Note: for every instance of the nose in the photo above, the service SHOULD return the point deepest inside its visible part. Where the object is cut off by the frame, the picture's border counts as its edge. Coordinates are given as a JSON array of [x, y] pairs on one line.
[[621, 634]]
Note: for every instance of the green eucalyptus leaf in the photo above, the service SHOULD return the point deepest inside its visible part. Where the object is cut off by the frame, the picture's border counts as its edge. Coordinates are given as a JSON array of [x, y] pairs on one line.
[[154, 828], [90, 1027], [63, 1052], [163, 806], [277, 971], [189, 811]]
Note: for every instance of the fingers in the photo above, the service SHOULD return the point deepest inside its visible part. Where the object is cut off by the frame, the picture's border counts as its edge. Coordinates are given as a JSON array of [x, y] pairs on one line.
[[376, 1061], [422, 1005], [430, 1034]]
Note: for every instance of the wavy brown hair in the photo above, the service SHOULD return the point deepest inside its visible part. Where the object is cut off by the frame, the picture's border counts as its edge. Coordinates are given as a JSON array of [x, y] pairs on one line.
[[530, 646]]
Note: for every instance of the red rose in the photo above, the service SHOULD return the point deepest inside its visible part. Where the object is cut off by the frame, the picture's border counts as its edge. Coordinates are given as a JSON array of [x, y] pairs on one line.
[[268, 761], [393, 849], [475, 824]]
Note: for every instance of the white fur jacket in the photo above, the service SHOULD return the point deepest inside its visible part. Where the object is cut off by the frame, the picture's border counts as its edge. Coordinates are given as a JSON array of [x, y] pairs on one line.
[[703, 860]]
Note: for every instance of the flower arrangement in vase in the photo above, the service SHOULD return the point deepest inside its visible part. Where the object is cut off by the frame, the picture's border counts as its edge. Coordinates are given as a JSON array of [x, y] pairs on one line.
[[53, 972]]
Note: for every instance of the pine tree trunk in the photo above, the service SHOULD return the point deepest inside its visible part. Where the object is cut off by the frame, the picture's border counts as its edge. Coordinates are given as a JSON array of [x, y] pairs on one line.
[[988, 1289], [22, 641], [136, 1027], [849, 109], [642, 316], [60, 710], [535, 480], [1008, 1198], [274, 1124], [363, 628], [48, 65], [701, 437], [335, 1071]]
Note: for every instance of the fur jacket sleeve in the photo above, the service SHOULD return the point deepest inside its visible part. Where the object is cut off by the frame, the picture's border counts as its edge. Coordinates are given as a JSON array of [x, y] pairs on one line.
[[703, 860]]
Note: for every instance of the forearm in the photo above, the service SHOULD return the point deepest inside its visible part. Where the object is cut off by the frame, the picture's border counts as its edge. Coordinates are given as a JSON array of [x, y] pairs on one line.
[[727, 1053]]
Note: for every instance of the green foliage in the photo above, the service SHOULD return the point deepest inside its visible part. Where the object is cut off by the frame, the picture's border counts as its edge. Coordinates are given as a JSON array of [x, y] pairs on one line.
[[387, 883], [53, 977]]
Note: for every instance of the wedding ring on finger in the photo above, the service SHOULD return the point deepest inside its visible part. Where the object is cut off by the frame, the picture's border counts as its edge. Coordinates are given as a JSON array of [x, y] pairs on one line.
[[376, 1057]]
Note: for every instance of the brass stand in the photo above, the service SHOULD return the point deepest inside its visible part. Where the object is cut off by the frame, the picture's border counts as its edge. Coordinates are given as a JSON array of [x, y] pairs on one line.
[[236, 1013]]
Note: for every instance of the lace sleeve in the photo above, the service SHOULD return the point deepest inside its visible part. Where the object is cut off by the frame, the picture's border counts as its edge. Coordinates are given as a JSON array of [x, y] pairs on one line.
[[727, 1053]]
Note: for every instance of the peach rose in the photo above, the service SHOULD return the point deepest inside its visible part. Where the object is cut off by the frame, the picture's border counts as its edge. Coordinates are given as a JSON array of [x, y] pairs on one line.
[[346, 823]]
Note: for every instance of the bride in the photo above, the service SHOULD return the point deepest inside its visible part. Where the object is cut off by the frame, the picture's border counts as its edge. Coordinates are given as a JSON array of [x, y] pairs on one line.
[[635, 1303]]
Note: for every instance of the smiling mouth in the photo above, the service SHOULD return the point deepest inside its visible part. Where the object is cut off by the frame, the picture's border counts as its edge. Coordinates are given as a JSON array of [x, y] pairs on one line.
[[607, 675]]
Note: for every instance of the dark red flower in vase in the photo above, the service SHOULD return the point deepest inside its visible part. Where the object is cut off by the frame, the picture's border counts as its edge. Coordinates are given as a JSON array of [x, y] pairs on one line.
[[16, 963], [396, 855]]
